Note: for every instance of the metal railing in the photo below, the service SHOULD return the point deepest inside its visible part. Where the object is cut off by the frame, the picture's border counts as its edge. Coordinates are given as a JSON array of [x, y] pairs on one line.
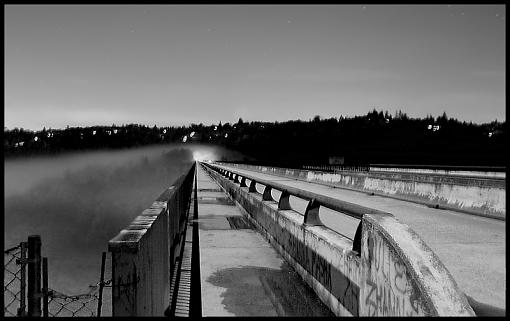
[[315, 201], [24, 295], [444, 167], [335, 168]]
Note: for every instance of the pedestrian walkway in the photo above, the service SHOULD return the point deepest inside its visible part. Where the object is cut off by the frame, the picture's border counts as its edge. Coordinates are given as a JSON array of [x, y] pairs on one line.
[[241, 274]]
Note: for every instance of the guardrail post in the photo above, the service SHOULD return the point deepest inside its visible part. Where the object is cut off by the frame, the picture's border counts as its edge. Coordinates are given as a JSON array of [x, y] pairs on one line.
[[356, 243], [34, 276], [243, 182], [23, 277], [101, 284], [45, 286], [283, 203], [236, 178], [266, 196], [312, 213], [252, 188]]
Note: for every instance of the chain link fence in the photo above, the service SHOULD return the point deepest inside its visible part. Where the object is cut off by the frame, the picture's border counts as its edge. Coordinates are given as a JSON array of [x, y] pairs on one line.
[[13, 281], [95, 302]]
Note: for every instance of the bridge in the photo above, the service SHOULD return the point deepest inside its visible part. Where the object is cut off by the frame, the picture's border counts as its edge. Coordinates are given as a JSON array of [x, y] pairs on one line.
[[243, 240]]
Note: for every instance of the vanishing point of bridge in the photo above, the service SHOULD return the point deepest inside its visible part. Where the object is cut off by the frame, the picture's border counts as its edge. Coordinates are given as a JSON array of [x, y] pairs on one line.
[[239, 240]]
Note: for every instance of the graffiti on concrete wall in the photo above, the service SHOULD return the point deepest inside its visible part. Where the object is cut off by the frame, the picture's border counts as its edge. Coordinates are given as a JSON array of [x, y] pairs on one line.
[[389, 290], [337, 280]]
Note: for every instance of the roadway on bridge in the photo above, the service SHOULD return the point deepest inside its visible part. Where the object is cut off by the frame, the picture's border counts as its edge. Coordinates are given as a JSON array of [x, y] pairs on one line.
[[241, 274], [471, 247]]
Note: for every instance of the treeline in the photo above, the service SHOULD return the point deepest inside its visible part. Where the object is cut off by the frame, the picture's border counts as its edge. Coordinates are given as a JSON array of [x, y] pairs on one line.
[[377, 137]]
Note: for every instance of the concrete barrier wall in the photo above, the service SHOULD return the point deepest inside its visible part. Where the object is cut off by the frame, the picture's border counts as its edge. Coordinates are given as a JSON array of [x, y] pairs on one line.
[[479, 196], [395, 274], [144, 253], [140, 265]]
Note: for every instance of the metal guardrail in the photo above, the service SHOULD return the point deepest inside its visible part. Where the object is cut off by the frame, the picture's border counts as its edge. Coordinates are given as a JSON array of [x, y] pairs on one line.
[[351, 209], [315, 201], [333, 168], [445, 167]]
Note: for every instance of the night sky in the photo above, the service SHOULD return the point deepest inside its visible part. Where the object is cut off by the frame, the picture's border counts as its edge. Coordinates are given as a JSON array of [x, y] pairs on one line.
[[176, 65]]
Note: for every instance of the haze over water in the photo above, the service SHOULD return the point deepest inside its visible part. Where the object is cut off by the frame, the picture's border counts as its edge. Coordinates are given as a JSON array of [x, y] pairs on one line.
[[79, 201]]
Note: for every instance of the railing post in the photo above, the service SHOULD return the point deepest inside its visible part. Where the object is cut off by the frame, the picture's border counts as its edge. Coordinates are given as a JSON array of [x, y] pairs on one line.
[[23, 282], [356, 243], [45, 286], [252, 188], [312, 213], [101, 285], [34, 276], [266, 196], [243, 182], [283, 203]]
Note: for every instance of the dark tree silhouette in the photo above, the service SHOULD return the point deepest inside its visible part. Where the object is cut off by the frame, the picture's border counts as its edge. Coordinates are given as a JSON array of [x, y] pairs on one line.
[[374, 138]]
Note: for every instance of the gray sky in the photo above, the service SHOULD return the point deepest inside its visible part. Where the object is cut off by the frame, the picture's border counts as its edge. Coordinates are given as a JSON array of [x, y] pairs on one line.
[[173, 64]]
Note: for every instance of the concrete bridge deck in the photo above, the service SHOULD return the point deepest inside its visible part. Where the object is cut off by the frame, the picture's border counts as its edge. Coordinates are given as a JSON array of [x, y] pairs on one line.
[[471, 247], [241, 273]]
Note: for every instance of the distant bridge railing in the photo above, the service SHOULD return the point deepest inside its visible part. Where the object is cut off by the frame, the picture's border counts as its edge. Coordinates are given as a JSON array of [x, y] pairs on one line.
[[388, 269], [144, 254]]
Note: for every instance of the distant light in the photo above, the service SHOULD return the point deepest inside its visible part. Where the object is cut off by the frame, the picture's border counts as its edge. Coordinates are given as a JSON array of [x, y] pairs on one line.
[[429, 126], [435, 128], [215, 127], [115, 131], [109, 132], [93, 132], [387, 120], [164, 131], [192, 134], [36, 138], [203, 155], [226, 135], [21, 143], [49, 134], [490, 134], [185, 138]]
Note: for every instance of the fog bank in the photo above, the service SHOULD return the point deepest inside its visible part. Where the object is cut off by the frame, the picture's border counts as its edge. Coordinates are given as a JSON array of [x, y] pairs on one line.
[[77, 202]]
